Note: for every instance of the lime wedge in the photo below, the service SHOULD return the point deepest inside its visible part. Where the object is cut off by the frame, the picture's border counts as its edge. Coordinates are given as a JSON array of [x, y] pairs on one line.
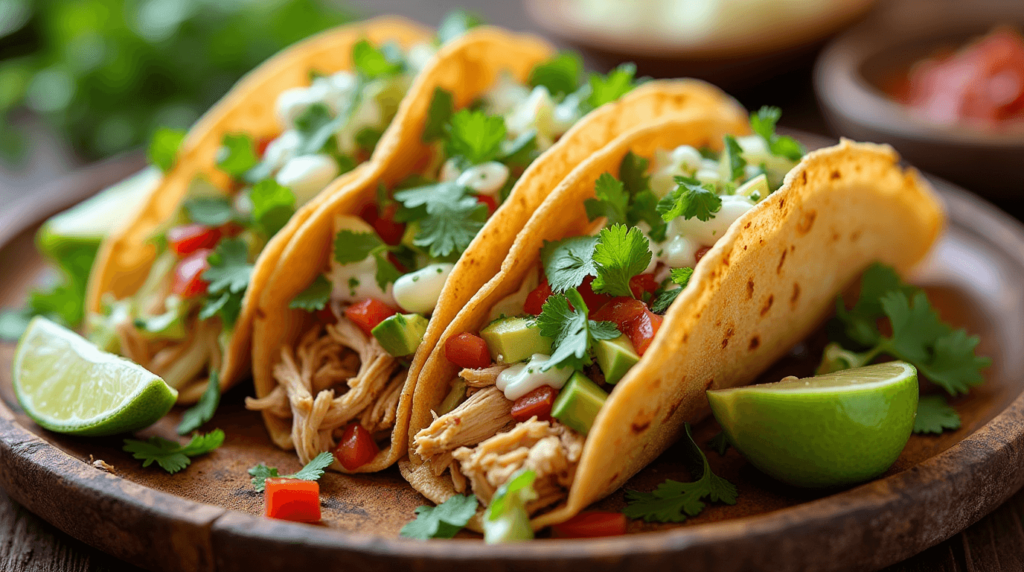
[[67, 385], [831, 430]]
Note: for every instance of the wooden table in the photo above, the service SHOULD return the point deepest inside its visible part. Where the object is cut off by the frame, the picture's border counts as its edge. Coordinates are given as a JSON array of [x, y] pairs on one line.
[[29, 544]]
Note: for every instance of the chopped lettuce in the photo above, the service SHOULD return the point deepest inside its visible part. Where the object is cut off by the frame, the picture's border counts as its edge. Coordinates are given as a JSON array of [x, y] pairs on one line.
[[506, 519]]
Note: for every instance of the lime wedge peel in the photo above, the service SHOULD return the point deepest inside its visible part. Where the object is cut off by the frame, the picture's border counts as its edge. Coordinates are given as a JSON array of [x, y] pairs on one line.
[[826, 431], [67, 385]]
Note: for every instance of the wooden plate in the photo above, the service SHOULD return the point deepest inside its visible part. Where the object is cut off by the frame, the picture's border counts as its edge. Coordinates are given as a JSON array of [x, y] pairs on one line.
[[208, 517]]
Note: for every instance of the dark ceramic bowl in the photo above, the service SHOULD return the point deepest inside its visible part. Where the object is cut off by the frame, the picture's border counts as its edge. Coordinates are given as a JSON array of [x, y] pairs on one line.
[[732, 63], [851, 71]]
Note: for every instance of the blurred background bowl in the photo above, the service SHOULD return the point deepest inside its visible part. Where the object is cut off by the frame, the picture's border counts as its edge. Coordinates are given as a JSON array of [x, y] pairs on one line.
[[732, 43], [852, 73]]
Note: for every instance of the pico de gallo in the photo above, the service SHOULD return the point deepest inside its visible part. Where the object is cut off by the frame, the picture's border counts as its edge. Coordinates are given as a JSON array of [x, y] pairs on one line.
[[535, 378], [390, 260], [179, 323]]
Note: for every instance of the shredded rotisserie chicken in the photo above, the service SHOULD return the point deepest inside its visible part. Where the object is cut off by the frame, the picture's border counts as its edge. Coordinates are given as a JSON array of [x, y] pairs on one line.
[[183, 364], [482, 377], [549, 449], [340, 360]]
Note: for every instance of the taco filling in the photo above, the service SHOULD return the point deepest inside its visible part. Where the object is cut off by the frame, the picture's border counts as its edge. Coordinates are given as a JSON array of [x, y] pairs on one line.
[[343, 379], [179, 323], [535, 378]]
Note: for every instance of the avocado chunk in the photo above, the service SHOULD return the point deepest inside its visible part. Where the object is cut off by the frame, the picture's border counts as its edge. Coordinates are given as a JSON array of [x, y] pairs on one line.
[[401, 334], [513, 340], [454, 398], [615, 357], [578, 403], [755, 189]]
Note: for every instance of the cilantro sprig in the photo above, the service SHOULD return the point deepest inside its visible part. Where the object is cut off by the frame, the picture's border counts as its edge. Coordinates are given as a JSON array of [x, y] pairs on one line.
[[442, 521], [163, 147], [371, 62], [690, 199], [351, 246], [763, 123], [628, 200], [934, 415], [673, 501], [200, 413], [171, 455], [620, 254], [228, 275], [560, 75], [569, 261], [272, 206], [237, 155], [506, 519], [573, 333], [315, 297], [608, 88], [448, 215], [313, 470], [475, 136], [665, 296]]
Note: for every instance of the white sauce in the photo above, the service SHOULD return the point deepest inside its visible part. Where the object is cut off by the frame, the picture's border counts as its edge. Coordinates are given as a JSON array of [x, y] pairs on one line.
[[367, 114], [280, 150], [419, 291], [485, 179], [356, 281], [708, 232], [681, 161], [307, 175], [522, 378], [536, 112]]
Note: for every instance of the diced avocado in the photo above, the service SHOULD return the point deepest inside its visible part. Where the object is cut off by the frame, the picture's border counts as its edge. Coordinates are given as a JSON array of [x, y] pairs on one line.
[[513, 340], [401, 334], [615, 357], [578, 403], [758, 185], [454, 397]]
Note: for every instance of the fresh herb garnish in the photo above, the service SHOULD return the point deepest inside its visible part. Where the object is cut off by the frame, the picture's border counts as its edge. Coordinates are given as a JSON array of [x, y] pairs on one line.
[[315, 297], [605, 89], [633, 173], [442, 521], [763, 123], [934, 415], [673, 501], [367, 139], [734, 158], [612, 200], [475, 136], [350, 246], [313, 470], [560, 75], [569, 261], [209, 211], [442, 106], [448, 216], [719, 443], [621, 253], [664, 297], [163, 148], [316, 127], [203, 411], [689, 200], [272, 206], [371, 63], [573, 333], [237, 155], [228, 275], [171, 455], [521, 151], [506, 519]]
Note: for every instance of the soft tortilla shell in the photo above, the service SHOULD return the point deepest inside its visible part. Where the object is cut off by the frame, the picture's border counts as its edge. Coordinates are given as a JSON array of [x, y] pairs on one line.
[[762, 288], [125, 257]]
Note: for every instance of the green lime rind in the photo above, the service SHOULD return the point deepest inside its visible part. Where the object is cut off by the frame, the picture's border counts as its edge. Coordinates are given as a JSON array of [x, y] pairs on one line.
[[67, 385], [827, 431]]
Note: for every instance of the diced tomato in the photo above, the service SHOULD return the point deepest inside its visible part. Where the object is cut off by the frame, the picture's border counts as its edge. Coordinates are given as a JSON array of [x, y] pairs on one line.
[[633, 319], [591, 524], [368, 313], [326, 315], [261, 145], [592, 300], [467, 350], [536, 403], [356, 448], [188, 238], [188, 274], [700, 253], [492, 204], [369, 213], [536, 298], [390, 231], [641, 284], [292, 499]]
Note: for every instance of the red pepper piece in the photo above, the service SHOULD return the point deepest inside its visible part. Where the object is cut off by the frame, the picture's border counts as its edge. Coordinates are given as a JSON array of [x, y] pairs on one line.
[[591, 524], [188, 238], [292, 499], [188, 274], [468, 351], [536, 403]]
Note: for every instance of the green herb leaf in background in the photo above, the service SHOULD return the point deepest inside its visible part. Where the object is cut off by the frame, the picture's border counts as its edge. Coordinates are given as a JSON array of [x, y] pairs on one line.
[[203, 411], [442, 521], [313, 470]]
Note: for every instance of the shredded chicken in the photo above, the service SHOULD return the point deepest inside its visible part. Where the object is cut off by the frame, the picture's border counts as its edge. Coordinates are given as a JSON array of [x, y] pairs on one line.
[[482, 377], [475, 419], [343, 359], [550, 449], [183, 364]]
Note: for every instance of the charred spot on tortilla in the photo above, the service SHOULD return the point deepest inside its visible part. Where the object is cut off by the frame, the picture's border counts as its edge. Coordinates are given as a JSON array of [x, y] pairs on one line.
[[768, 304], [778, 269], [755, 342], [806, 222], [855, 236], [750, 288], [796, 293], [835, 176], [640, 427], [803, 177]]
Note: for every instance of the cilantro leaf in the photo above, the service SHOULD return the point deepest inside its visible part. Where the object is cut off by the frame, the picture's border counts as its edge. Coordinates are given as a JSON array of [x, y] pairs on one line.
[[316, 126], [203, 411], [387, 272], [209, 211], [719, 443], [171, 455], [314, 297], [664, 297], [690, 199], [521, 151], [163, 148], [449, 217], [237, 155], [633, 173], [371, 63], [272, 206], [442, 106], [605, 89], [367, 139], [229, 269], [611, 202], [351, 246], [763, 123], [644, 207], [506, 519], [734, 158], [621, 253], [673, 501], [227, 305], [861, 322], [441, 521], [313, 470], [569, 261], [560, 75], [475, 136], [572, 333], [457, 23], [681, 276], [934, 415]]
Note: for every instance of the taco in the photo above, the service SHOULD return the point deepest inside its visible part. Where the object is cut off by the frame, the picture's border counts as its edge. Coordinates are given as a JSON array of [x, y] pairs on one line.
[[369, 282], [683, 256], [174, 289]]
